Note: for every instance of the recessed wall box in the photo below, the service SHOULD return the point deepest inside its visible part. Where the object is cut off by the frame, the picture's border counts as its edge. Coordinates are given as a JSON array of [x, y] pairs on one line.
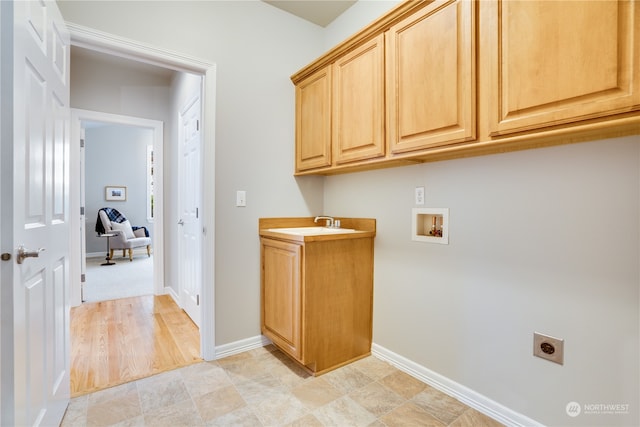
[[430, 225]]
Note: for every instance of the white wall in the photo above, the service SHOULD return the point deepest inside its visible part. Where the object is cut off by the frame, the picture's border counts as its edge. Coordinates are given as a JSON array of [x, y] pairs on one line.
[[255, 47], [116, 155], [543, 240], [98, 85]]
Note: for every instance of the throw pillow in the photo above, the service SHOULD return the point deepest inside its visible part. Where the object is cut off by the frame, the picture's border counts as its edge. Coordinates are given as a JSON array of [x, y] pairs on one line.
[[125, 227]]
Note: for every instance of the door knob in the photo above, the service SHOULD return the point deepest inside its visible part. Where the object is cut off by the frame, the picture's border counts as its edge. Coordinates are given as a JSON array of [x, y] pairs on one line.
[[25, 253]]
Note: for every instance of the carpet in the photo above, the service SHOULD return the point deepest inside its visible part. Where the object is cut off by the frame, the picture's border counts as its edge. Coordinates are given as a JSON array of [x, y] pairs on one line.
[[122, 280]]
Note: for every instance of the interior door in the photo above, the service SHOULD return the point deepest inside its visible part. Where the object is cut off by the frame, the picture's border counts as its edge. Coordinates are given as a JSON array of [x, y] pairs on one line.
[[189, 223], [35, 193]]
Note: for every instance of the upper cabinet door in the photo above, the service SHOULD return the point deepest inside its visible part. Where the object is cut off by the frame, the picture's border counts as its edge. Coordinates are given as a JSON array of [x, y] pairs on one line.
[[313, 121], [358, 103], [431, 77], [557, 62]]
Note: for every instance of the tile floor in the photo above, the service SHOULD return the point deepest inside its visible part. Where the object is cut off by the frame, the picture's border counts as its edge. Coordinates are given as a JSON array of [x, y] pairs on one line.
[[263, 387]]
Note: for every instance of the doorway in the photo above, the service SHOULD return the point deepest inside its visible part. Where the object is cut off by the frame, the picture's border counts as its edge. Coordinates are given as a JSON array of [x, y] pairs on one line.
[[116, 149], [97, 41]]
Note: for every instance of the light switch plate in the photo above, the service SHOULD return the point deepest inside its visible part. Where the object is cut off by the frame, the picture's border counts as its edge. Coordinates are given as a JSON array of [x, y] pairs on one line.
[[419, 196], [241, 198]]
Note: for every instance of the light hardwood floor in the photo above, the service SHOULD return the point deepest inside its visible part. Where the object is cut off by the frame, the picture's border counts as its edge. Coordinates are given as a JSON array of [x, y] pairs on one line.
[[114, 342]]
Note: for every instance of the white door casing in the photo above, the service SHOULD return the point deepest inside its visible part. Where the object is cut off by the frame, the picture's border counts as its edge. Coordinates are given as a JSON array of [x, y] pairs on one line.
[[34, 367], [78, 116], [83, 217], [190, 230], [115, 45]]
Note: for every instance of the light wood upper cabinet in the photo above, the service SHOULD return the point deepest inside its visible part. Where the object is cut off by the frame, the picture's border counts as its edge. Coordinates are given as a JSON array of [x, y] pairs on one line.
[[281, 294], [431, 81], [313, 121], [557, 62], [470, 77], [358, 103]]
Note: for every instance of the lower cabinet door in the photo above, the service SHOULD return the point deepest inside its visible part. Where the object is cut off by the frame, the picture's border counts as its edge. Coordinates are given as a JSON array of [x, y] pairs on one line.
[[281, 293]]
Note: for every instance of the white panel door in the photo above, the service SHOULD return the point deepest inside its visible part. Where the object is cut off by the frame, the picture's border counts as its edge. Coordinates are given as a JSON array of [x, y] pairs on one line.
[[35, 194], [190, 227]]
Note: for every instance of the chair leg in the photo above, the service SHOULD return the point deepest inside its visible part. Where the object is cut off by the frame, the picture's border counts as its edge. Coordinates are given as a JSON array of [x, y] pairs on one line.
[[148, 250], [110, 253], [130, 254], [124, 253]]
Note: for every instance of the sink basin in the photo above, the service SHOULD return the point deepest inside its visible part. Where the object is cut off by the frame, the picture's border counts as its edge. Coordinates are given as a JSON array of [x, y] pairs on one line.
[[312, 231]]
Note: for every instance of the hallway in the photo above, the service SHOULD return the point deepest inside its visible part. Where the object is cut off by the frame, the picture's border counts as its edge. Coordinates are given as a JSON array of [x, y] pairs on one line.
[[117, 341]]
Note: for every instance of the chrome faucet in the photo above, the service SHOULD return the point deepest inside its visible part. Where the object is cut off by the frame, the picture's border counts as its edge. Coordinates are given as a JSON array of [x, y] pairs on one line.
[[329, 219]]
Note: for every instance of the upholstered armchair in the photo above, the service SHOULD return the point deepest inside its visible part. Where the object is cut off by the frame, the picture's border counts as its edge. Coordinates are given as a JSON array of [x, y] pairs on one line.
[[126, 237]]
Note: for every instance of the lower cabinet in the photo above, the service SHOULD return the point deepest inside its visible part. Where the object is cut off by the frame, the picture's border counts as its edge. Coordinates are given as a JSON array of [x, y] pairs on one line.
[[316, 300]]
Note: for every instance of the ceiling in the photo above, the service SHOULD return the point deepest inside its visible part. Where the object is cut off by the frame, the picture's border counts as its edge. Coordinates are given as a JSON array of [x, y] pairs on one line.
[[320, 12]]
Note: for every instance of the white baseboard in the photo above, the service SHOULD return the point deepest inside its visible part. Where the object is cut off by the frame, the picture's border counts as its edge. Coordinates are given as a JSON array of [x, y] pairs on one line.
[[96, 254], [103, 254], [465, 395], [226, 350], [167, 290]]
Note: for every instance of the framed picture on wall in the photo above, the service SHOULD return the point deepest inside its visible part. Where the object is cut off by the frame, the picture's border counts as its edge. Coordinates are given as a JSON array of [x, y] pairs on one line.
[[115, 193]]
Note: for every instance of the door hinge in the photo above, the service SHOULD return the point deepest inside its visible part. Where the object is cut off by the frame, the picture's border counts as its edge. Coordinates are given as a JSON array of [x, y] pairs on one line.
[[197, 213], [197, 299], [83, 278], [81, 142], [81, 210], [197, 124]]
